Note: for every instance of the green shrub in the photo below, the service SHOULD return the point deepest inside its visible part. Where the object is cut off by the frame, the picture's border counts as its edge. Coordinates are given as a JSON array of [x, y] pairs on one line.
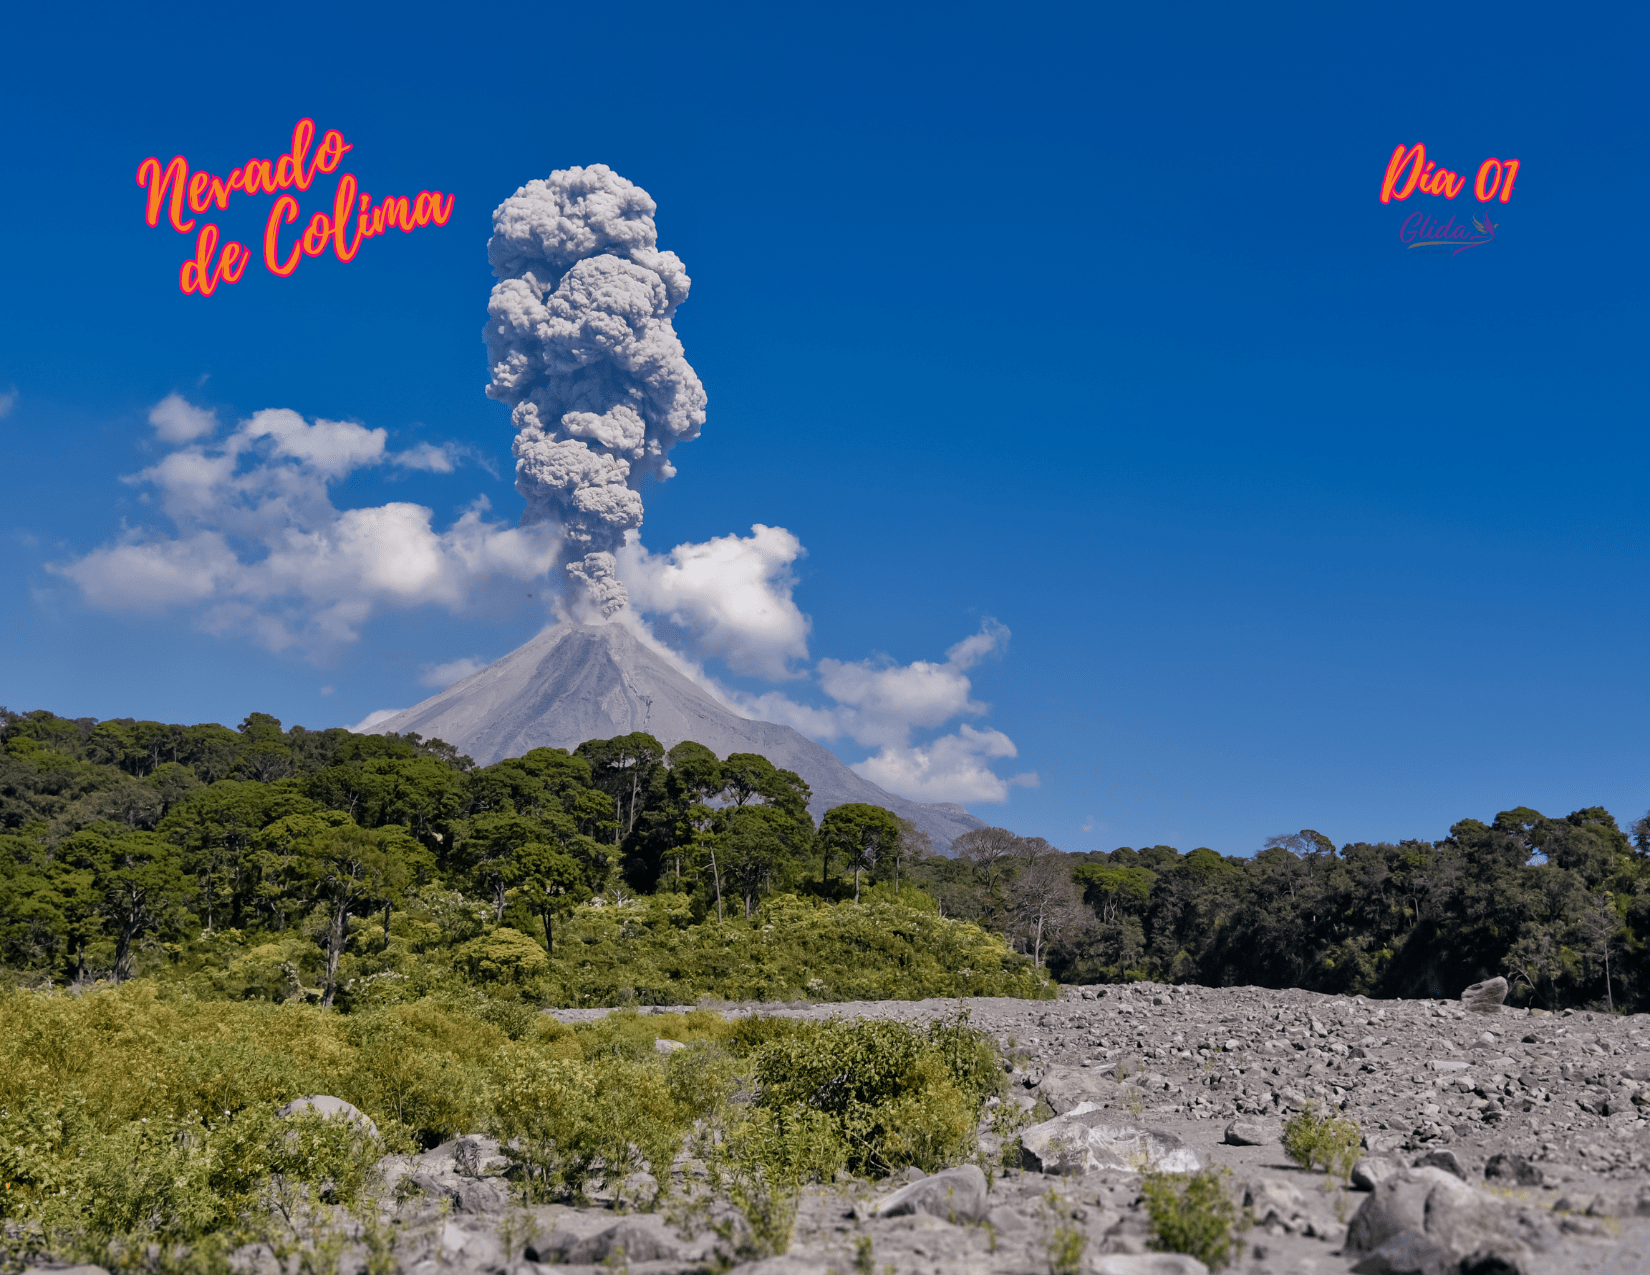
[[1194, 1214], [895, 1096], [1326, 1143]]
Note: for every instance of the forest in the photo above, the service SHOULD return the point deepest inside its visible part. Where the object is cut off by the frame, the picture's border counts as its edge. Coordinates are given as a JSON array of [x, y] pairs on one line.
[[264, 863]]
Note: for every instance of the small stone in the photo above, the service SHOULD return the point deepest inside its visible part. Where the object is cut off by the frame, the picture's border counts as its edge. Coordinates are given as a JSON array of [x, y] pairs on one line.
[[1486, 997], [665, 1046]]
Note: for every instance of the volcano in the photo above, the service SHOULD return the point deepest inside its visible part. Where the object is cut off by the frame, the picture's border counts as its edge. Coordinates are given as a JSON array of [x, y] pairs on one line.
[[575, 682]]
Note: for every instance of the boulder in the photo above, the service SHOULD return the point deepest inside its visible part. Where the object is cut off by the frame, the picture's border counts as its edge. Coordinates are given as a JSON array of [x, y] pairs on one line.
[[64, 1270], [1512, 1170], [330, 1108], [1407, 1254], [954, 1195], [666, 1046], [1065, 1088], [1148, 1264], [644, 1238], [1445, 1159], [1252, 1133], [1090, 1138], [1371, 1171], [1486, 997], [1435, 1204]]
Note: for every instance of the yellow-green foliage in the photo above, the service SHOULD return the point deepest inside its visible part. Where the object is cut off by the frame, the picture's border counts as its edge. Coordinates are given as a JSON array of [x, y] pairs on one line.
[[1194, 1214], [128, 1119], [646, 952], [894, 1096], [1326, 1143]]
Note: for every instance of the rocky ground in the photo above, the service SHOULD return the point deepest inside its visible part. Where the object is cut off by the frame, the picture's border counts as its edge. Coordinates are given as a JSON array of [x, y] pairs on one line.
[[1526, 1128]]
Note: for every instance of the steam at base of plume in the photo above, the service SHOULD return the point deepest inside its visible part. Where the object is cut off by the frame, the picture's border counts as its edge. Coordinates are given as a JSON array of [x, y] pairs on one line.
[[582, 348]]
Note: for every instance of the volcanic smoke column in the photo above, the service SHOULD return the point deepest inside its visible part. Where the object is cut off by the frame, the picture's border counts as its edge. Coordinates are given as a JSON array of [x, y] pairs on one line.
[[581, 346]]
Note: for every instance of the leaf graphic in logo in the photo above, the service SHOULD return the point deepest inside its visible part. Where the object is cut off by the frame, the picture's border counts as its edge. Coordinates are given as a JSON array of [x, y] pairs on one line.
[[1485, 227]]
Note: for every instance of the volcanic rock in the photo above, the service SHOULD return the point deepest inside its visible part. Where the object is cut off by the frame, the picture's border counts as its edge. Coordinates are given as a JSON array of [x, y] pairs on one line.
[[1486, 997]]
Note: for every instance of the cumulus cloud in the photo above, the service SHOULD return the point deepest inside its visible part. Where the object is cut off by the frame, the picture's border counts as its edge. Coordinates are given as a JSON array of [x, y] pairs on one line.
[[953, 767], [176, 420], [260, 550], [731, 596], [582, 348], [428, 457], [441, 676]]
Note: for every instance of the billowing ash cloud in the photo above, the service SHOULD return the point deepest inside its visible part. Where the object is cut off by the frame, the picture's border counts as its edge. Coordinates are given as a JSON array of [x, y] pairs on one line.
[[582, 349]]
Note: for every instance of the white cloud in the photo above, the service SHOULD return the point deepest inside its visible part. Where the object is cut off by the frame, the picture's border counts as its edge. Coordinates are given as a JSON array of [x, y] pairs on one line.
[[884, 705], [426, 456], [951, 768], [441, 676], [8, 400], [261, 551], [176, 420], [731, 595], [365, 725]]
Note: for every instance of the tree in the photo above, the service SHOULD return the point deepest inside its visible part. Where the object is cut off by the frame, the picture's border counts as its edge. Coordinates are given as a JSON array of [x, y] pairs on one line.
[[862, 834], [913, 846], [346, 867], [550, 881], [623, 767], [138, 878], [1045, 900]]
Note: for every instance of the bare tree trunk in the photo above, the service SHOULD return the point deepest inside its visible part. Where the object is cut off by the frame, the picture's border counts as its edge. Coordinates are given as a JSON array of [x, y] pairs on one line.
[[335, 950], [716, 877], [856, 883], [386, 925], [549, 938], [1609, 996]]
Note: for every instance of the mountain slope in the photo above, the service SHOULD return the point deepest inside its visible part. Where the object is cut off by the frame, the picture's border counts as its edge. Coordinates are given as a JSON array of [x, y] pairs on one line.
[[576, 682]]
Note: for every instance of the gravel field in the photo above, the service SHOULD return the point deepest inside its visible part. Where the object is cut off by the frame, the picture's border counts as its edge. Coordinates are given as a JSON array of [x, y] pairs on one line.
[[1494, 1141], [1554, 1095]]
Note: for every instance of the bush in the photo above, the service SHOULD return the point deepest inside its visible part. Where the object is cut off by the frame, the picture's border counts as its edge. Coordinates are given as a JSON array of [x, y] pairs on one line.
[[1327, 1143], [129, 1120], [1194, 1214], [894, 1096]]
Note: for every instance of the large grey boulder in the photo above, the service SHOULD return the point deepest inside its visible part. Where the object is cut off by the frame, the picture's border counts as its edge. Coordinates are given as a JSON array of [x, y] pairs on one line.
[[331, 1108], [1148, 1264], [1088, 1137], [642, 1238], [1456, 1217], [954, 1195], [1407, 1254], [1486, 997], [1253, 1133], [1066, 1088]]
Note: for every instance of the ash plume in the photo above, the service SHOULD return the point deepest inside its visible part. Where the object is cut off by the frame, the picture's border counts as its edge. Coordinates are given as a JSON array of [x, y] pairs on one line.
[[582, 349]]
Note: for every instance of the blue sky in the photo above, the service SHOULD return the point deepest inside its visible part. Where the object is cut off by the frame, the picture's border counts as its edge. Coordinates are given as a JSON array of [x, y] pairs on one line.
[[1088, 322]]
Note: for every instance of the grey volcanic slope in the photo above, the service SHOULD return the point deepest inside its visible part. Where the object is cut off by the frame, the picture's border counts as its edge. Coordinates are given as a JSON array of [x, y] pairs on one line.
[[576, 682]]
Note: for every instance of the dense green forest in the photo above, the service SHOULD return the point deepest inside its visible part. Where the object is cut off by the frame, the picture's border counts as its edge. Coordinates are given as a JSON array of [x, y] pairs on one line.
[[362, 870], [358, 870]]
